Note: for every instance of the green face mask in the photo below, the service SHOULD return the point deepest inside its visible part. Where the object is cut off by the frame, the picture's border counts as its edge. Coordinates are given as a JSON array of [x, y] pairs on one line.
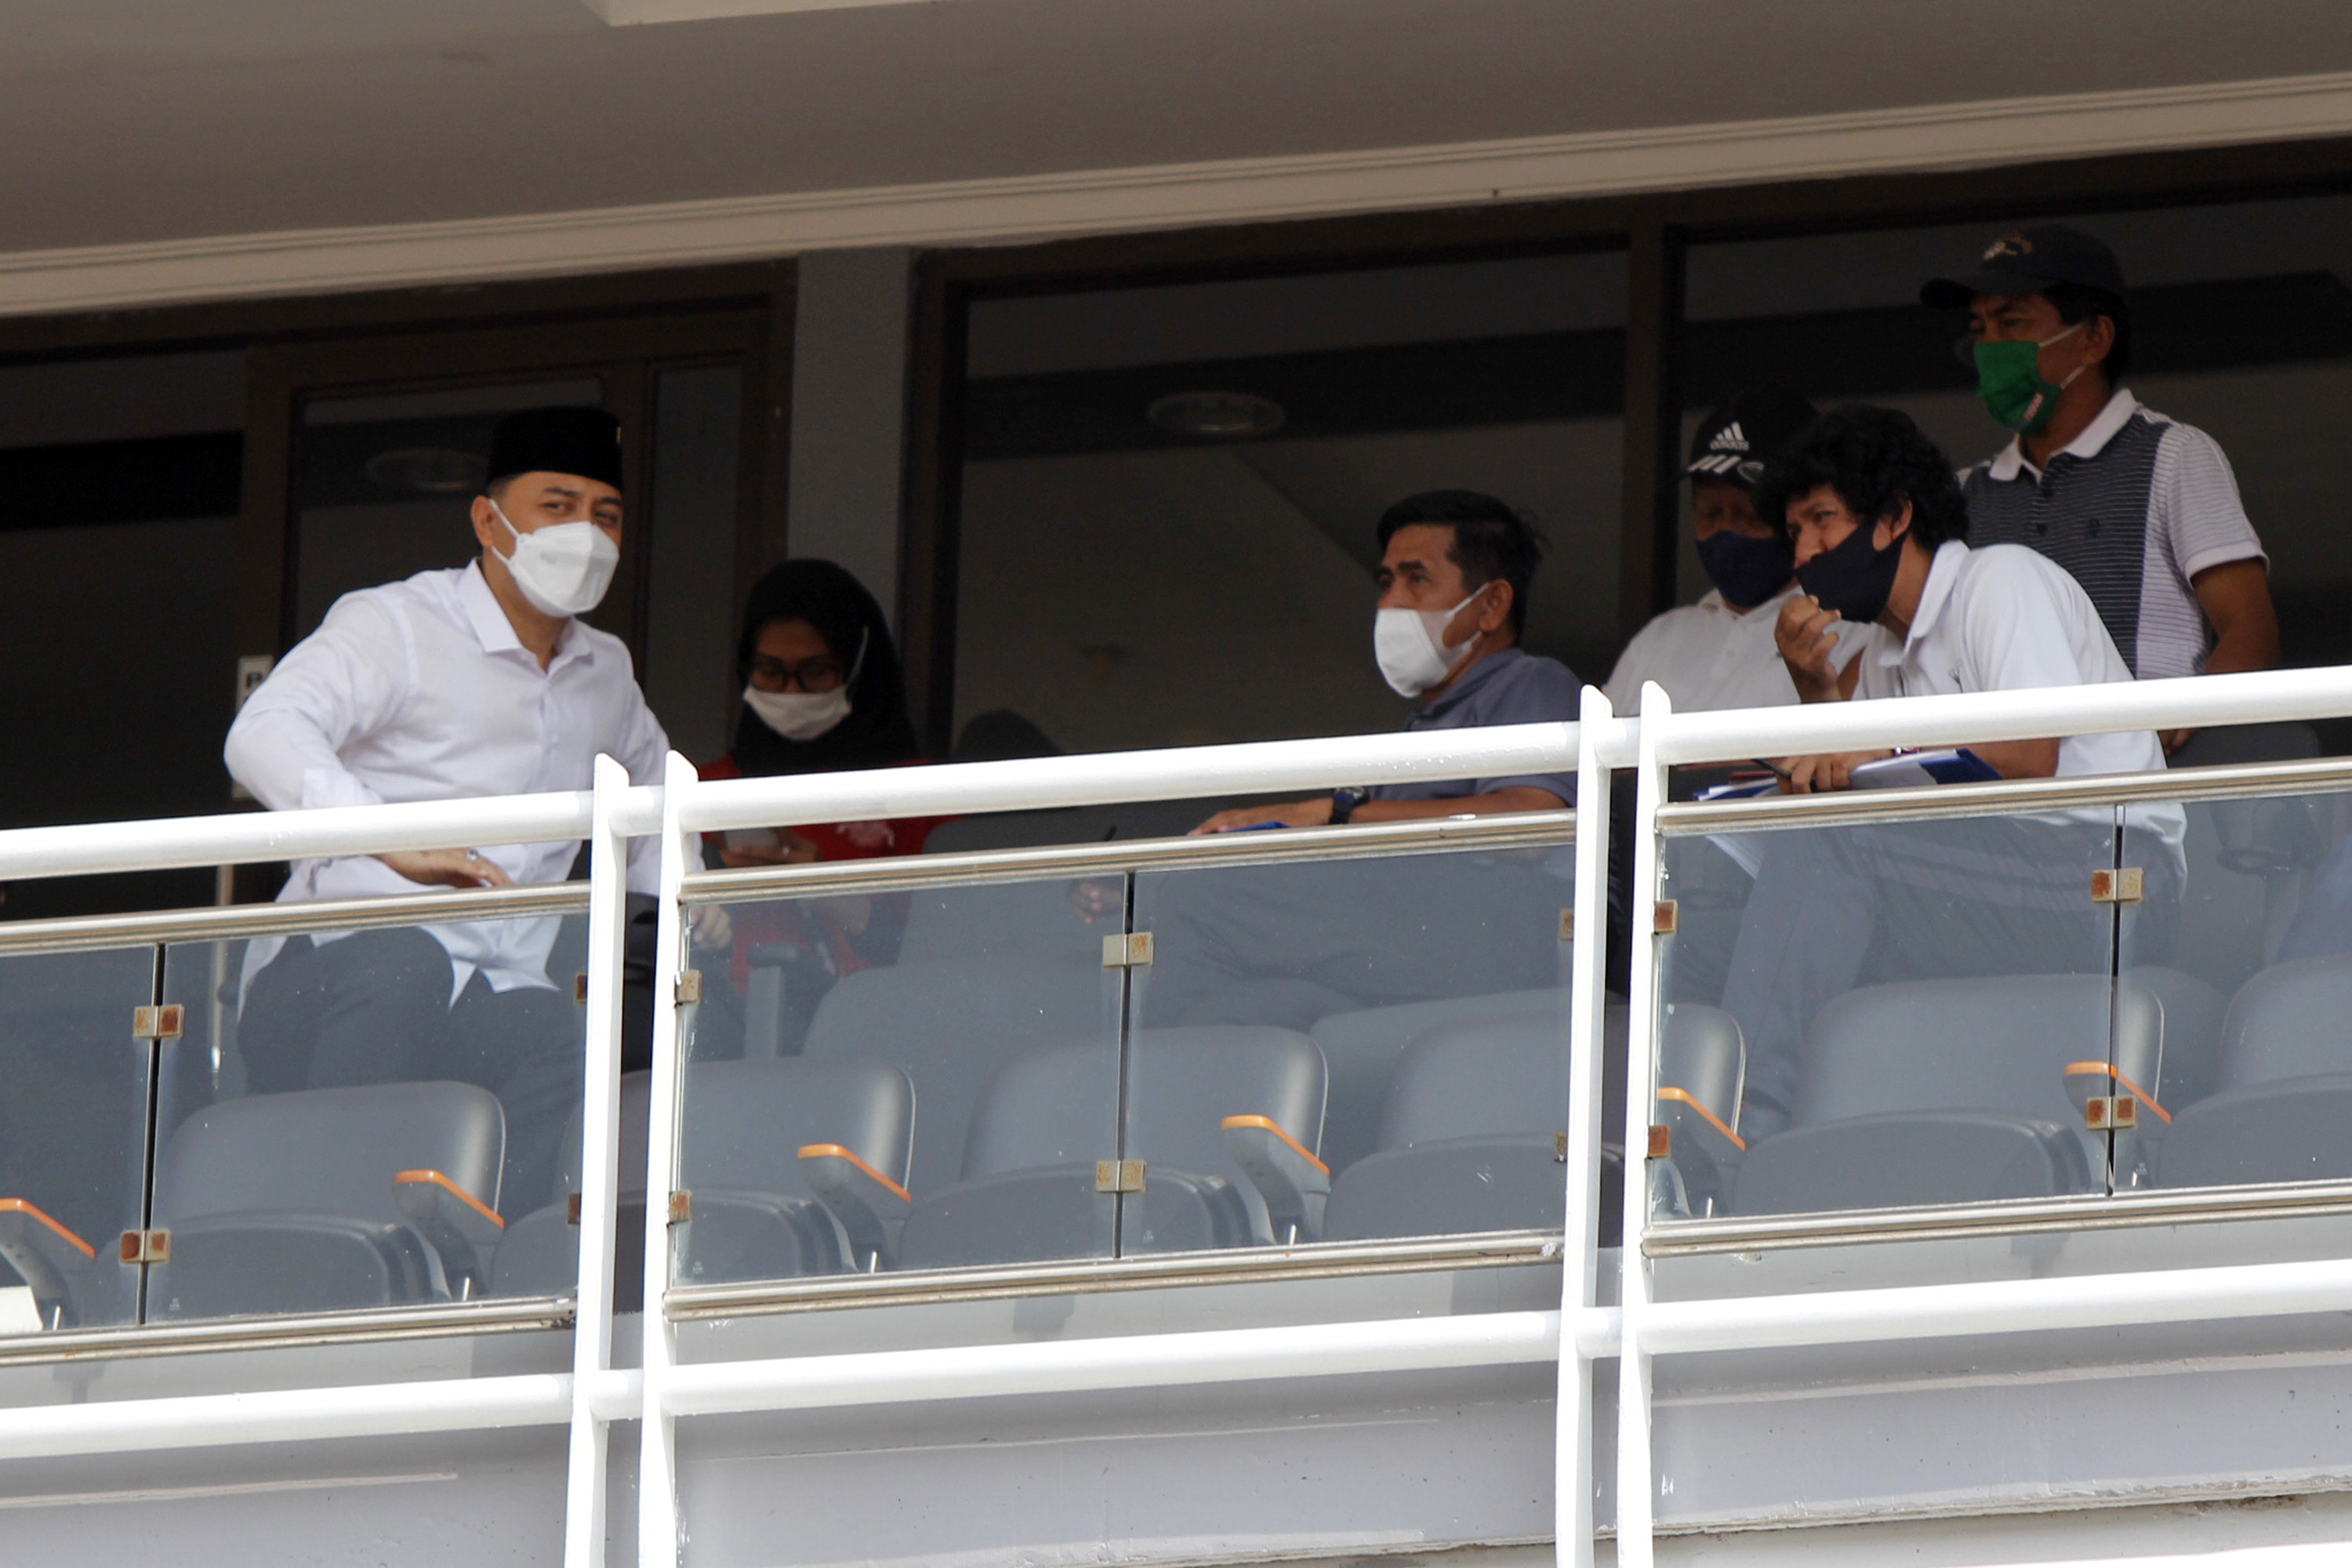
[[2010, 383]]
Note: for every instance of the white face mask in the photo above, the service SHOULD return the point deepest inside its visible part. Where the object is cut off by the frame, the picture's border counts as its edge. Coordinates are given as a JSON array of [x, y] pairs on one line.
[[563, 569], [799, 715], [1411, 647]]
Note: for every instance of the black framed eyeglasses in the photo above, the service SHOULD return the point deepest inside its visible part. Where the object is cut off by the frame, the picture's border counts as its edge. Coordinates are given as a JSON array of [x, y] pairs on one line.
[[823, 673]]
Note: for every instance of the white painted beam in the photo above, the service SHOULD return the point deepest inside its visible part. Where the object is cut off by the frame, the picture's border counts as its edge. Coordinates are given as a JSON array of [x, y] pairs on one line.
[[1920, 138]]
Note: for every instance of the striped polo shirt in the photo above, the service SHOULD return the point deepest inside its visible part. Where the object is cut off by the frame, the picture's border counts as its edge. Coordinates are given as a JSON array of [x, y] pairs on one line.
[[2134, 507]]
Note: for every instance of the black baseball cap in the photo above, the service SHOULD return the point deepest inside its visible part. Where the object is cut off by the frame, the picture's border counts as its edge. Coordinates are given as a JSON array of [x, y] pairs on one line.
[[1734, 443], [2028, 261]]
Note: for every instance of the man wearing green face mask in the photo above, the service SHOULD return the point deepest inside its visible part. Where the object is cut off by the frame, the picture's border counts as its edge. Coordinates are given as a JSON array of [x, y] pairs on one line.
[[2143, 510]]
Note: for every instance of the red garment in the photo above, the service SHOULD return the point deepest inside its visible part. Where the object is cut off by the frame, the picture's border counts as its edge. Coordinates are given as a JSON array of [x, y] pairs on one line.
[[757, 924]]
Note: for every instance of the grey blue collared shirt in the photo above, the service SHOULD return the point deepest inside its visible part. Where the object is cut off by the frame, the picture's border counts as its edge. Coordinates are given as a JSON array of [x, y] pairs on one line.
[[1513, 687]]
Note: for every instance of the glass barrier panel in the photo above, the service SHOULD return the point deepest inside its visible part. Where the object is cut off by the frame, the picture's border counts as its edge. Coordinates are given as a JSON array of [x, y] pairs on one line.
[[903, 1080], [1913, 1008], [73, 1135], [2242, 937], [1348, 1050], [370, 1119]]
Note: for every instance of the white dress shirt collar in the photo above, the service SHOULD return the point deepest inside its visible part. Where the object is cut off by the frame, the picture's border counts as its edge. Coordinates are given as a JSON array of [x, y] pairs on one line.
[[487, 618]]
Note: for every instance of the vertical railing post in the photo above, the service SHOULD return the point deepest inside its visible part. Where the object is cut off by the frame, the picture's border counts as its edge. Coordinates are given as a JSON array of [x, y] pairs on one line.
[[1587, 977], [600, 1109], [658, 1512], [1636, 1490]]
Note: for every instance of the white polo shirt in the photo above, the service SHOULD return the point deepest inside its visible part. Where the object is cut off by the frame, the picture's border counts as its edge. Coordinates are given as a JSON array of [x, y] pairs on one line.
[[420, 691], [2005, 618], [1710, 656]]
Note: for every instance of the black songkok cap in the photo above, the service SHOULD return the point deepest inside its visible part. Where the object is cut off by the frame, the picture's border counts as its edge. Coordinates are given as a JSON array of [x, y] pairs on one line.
[[570, 439]]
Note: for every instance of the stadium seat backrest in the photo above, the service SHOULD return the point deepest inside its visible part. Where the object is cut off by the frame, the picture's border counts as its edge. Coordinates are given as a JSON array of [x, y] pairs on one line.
[[1702, 1053], [2292, 1020], [1182, 1083], [1054, 1105], [1362, 1048], [947, 1024], [330, 1151], [2000, 1045], [745, 1123], [1480, 1078]]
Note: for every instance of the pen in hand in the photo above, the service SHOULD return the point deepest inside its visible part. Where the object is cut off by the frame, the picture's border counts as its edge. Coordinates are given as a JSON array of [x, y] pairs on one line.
[[1771, 767]]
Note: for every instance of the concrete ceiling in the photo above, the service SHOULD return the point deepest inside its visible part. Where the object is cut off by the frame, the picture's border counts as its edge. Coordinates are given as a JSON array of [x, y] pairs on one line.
[[132, 121]]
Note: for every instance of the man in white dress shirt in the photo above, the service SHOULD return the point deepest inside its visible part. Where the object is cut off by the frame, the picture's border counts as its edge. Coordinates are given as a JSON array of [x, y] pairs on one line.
[[1719, 652], [1880, 532], [473, 682]]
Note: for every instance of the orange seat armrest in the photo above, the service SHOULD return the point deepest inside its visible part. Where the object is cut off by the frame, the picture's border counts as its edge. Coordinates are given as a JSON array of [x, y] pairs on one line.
[[436, 1179], [837, 1152], [19, 1205], [1270, 1125], [1684, 1097]]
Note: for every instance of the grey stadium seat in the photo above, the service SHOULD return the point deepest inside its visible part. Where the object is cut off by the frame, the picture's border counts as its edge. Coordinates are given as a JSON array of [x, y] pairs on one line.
[[948, 1023], [754, 1214], [2285, 1086], [1955, 1091], [292, 1203], [1473, 1129], [540, 1253], [748, 1152], [1049, 1115], [1362, 1048]]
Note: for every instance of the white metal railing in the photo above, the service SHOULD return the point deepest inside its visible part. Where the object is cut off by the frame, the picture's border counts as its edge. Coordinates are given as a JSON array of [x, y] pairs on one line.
[[1647, 1328], [1635, 1329]]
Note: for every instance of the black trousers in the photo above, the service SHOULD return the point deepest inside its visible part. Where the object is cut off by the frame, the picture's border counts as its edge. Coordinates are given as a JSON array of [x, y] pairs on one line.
[[375, 1007]]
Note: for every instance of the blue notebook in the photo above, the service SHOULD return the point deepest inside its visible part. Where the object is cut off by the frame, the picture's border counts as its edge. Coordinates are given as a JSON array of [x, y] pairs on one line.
[[1909, 770], [1739, 789]]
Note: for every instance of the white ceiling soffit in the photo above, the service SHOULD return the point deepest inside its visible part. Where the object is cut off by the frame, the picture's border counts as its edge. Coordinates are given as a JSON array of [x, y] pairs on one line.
[[1941, 136]]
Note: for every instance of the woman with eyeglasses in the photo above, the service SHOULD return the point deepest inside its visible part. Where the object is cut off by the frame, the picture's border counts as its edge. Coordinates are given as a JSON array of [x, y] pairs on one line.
[[822, 693]]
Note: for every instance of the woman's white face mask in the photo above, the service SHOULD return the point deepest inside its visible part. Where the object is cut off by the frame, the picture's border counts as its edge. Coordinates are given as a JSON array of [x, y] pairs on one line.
[[1410, 646], [799, 715], [805, 715], [563, 569]]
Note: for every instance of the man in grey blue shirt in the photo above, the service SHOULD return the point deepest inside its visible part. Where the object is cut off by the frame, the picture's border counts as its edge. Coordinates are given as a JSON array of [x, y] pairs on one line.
[[1456, 568], [1287, 944]]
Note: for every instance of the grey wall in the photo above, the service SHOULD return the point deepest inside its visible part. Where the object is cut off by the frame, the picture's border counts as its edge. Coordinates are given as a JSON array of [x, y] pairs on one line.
[[849, 412], [1132, 599]]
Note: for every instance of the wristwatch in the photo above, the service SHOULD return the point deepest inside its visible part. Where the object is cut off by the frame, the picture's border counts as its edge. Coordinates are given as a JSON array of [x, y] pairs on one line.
[[1344, 803]]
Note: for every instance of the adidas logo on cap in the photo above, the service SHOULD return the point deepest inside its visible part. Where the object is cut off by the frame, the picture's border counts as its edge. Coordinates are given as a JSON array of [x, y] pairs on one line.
[[1724, 450]]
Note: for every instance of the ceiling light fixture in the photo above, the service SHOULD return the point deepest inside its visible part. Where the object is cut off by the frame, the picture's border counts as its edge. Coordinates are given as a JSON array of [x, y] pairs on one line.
[[1216, 415], [427, 471]]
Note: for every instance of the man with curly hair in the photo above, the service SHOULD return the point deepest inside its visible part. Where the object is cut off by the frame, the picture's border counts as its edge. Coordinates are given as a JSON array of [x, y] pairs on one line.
[[1880, 535]]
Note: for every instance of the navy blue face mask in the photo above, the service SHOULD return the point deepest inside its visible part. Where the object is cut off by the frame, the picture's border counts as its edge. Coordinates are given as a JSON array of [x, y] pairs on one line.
[[1745, 569], [1855, 578]]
